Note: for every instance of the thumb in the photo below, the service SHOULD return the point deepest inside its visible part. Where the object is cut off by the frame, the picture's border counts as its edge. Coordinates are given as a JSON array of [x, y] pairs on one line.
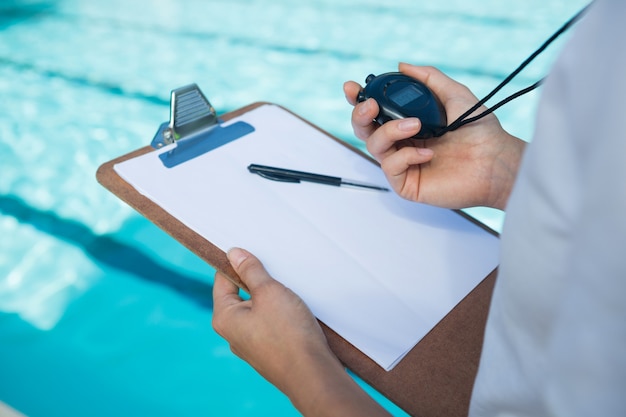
[[444, 87], [249, 268]]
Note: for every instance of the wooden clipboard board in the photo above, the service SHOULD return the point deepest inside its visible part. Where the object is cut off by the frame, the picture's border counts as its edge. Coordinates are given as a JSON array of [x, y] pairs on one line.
[[434, 379]]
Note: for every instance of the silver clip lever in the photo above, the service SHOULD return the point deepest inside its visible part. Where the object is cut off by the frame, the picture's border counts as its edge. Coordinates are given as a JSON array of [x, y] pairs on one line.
[[190, 114]]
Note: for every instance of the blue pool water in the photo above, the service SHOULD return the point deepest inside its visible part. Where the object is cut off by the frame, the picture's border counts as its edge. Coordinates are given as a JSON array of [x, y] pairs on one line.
[[103, 314]]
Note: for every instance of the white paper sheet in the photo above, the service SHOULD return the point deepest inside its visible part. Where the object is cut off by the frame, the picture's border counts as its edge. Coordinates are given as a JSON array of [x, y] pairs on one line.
[[377, 269]]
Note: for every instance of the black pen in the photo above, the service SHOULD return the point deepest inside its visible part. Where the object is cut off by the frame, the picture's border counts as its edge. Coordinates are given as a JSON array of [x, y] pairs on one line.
[[289, 175]]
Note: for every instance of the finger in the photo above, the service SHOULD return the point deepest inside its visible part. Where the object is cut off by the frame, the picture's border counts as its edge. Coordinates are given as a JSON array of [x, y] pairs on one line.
[[436, 80], [398, 164], [351, 90], [382, 143], [225, 295], [363, 116], [249, 268], [224, 292], [444, 87], [403, 171]]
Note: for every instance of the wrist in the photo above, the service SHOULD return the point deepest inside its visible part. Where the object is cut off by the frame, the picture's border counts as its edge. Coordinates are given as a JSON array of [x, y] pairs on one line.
[[322, 387], [505, 171]]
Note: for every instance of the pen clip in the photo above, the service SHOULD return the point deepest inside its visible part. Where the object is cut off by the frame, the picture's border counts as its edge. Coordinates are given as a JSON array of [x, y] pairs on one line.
[[277, 177], [273, 176]]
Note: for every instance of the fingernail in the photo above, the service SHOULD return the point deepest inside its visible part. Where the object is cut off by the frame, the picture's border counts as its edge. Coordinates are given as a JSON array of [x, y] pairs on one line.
[[364, 107], [425, 151], [236, 256], [409, 125]]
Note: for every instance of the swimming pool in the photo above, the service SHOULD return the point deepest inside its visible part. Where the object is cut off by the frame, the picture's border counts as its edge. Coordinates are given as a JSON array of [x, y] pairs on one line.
[[103, 314]]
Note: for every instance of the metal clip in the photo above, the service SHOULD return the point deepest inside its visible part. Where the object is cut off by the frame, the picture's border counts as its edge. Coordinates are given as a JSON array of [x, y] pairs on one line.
[[191, 114]]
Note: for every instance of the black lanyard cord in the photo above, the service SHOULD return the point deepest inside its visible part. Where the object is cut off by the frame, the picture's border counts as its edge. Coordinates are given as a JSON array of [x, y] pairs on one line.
[[463, 119]]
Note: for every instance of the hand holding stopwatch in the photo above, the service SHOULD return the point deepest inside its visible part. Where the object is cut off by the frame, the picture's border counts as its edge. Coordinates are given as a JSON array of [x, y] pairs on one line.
[[400, 96]]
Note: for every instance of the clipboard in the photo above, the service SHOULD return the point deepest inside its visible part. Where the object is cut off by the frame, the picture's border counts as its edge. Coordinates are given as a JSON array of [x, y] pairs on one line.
[[436, 376]]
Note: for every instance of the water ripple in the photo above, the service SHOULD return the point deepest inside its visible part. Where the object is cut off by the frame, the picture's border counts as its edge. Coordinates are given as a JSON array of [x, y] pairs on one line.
[[106, 250]]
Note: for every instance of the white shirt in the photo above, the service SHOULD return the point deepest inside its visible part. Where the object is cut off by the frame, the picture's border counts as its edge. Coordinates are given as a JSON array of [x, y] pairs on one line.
[[555, 342]]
